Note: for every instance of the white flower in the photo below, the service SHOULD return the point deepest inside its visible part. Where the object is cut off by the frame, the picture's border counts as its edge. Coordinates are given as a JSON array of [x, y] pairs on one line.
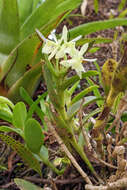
[[76, 61], [59, 48]]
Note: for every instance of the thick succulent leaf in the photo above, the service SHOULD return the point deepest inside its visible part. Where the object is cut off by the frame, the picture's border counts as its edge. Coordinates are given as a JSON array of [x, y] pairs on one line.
[[23, 152], [25, 9], [33, 135], [25, 185], [21, 61], [9, 25], [8, 62], [49, 10], [3, 57], [24, 56], [29, 81], [85, 29], [19, 115]]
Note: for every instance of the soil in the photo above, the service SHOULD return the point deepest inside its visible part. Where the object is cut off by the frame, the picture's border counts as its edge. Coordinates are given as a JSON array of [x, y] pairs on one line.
[[71, 180]]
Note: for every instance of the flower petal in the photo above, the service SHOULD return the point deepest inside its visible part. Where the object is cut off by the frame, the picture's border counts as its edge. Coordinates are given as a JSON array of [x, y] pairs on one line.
[[52, 54], [90, 60], [83, 49], [77, 38], [64, 34]]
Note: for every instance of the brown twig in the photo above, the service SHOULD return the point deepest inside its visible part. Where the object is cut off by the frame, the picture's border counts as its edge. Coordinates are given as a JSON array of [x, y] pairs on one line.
[[70, 156], [57, 181], [7, 185], [121, 183]]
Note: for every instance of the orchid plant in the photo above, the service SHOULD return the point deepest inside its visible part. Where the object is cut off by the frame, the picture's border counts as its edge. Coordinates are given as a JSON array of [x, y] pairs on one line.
[[60, 57]]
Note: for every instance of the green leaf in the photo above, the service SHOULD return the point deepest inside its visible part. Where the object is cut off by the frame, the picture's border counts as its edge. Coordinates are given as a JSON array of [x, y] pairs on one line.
[[74, 108], [96, 5], [70, 81], [94, 49], [6, 115], [83, 93], [23, 152], [96, 92], [90, 100], [91, 114], [5, 100], [25, 185], [22, 60], [9, 25], [33, 76], [81, 140], [34, 137], [3, 168], [91, 27], [122, 4], [95, 40], [123, 14], [47, 11], [19, 115], [25, 9], [36, 3], [50, 85], [68, 93], [10, 129], [44, 152], [99, 72], [26, 97], [33, 107]]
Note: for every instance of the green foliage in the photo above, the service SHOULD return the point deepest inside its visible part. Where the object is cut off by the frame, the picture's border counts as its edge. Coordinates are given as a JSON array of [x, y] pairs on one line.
[[25, 185], [30, 130], [96, 93], [83, 93], [25, 154], [91, 27], [19, 115], [34, 137], [6, 107], [20, 49], [61, 107], [96, 5], [122, 5]]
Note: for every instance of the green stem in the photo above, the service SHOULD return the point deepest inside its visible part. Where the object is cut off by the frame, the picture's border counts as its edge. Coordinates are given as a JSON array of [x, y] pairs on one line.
[[49, 164], [82, 154]]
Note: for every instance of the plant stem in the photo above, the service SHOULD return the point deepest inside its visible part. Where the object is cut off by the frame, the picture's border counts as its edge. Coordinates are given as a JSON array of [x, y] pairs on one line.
[[48, 163]]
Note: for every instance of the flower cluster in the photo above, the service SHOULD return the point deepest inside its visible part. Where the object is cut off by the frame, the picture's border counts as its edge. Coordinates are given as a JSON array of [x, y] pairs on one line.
[[61, 48]]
